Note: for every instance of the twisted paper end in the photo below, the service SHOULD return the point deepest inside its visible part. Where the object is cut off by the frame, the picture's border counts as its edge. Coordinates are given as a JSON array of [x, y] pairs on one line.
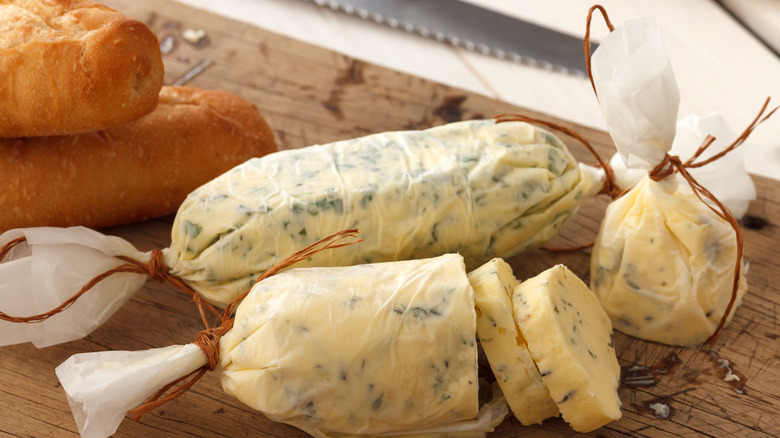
[[155, 268]]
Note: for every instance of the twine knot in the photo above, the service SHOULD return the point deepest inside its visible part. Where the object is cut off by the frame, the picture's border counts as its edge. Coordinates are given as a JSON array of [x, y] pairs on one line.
[[666, 167], [156, 268], [208, 341]]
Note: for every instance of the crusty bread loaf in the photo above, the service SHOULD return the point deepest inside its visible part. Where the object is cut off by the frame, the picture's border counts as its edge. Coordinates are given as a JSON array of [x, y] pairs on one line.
[[70, 66], [131, 172]]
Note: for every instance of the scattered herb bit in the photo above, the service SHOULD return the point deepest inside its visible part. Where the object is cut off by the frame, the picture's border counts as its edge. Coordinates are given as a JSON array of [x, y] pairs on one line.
[[309, 409], [630, 283], [377, 403], [192, 229], [366, 200], [568, 396]]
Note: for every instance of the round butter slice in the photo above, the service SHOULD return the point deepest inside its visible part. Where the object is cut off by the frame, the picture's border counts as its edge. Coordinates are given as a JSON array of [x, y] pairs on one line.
[[570, 339], [504, 346]]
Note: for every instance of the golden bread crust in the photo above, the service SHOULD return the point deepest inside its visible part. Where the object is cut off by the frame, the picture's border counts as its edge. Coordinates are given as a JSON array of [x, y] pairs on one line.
[[132, 172], [73, 66]]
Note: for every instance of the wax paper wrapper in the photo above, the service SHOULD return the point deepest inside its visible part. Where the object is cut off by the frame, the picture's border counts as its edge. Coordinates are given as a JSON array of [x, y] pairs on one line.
[[46, 270], [370, 350], [727, 177], [479, 188], [663, 262], [637, 92], [103, 386]]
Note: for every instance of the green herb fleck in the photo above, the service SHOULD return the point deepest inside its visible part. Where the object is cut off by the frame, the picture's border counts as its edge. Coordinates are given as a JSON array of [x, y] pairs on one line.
[[377, 403], [192, 229], [630, 283]]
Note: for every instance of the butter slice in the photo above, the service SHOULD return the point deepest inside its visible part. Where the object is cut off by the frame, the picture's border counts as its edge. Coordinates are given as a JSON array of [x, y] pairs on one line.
[[362, 350], [505, 347], [570, 339]]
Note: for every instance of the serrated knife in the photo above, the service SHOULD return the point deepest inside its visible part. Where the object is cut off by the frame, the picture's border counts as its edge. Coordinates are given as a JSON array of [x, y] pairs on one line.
[[473, 28]]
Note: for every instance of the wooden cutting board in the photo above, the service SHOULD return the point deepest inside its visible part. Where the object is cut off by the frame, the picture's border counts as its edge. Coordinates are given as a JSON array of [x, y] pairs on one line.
[[311, 95]]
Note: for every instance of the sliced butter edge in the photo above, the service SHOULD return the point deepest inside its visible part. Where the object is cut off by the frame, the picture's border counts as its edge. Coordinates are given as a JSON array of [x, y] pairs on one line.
[[570, 338], [504, 346]]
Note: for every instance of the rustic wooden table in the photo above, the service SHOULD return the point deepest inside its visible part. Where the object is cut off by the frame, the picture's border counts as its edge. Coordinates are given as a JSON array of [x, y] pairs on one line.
[[311, 95]]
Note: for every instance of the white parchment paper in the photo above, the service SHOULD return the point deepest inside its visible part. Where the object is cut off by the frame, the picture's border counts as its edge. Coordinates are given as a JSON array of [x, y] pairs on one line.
[[637, 92], [103, 386], [726, 177], [54, 264], [639, 98]]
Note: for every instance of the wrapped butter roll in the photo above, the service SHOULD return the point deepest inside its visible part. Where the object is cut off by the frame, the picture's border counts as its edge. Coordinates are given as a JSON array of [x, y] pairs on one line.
[[380, 349], [665, 264], [480, 188], [320, 349]]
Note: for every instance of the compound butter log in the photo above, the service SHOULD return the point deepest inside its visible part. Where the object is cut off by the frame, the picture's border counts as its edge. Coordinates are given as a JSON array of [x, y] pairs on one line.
[[71, 66], [136, 171]]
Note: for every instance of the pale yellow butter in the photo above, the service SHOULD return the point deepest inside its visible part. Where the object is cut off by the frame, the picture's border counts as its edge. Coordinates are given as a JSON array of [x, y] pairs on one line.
[[476, 187], [663, 264], [358, 350], [570, 339], [505, 347]]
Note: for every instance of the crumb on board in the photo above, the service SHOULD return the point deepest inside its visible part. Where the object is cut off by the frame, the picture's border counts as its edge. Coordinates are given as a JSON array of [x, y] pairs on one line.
[[195, 37]]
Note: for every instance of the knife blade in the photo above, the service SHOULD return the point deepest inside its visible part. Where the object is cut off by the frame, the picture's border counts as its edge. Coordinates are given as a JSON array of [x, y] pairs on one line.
[[474, 28]]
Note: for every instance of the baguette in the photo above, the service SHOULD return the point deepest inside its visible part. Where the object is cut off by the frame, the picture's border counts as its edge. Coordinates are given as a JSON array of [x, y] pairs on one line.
[[71, 66], [139, 170]]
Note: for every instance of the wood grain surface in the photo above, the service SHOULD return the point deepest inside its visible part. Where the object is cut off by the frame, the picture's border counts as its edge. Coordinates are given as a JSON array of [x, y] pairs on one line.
[[310, 95]]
